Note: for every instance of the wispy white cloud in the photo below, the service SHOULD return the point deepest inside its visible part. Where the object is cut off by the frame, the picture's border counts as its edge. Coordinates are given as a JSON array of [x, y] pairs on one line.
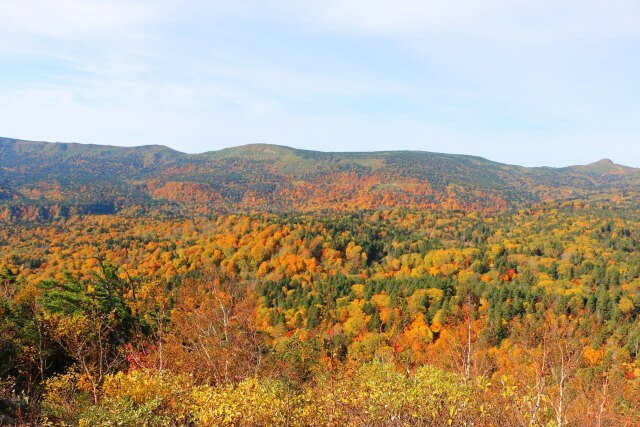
[[74, 20], [512, 18]]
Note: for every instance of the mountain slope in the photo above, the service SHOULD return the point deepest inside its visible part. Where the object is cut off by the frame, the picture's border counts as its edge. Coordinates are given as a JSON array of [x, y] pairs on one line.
[[271, 177]]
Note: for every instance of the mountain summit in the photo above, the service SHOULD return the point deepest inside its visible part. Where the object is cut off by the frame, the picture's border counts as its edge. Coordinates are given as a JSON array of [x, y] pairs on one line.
[[604, 167]]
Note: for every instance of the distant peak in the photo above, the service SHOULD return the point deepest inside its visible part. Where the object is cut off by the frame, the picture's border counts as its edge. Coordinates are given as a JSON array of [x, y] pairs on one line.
[[603, 167], [604, 162]]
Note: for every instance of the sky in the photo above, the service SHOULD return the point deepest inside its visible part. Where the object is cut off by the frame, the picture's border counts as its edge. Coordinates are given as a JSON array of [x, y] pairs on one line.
[[528, 82]]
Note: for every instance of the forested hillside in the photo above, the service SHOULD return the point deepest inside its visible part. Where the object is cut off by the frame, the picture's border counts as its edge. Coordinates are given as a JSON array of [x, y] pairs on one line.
[[39, 179], [263, 285]]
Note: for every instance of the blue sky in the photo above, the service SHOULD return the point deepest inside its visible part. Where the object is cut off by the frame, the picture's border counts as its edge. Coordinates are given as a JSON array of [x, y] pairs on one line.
[[526, 82]]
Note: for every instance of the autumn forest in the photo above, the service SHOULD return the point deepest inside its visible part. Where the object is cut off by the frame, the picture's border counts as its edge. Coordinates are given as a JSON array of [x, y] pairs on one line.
[[267, 286]]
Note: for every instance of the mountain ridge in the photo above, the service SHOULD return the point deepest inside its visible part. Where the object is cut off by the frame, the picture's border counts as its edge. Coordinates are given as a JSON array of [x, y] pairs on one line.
[[280, 178], [242, 149]]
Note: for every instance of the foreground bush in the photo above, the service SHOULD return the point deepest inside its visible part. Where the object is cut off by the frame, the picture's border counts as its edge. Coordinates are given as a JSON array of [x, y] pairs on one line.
[[374, 395]]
